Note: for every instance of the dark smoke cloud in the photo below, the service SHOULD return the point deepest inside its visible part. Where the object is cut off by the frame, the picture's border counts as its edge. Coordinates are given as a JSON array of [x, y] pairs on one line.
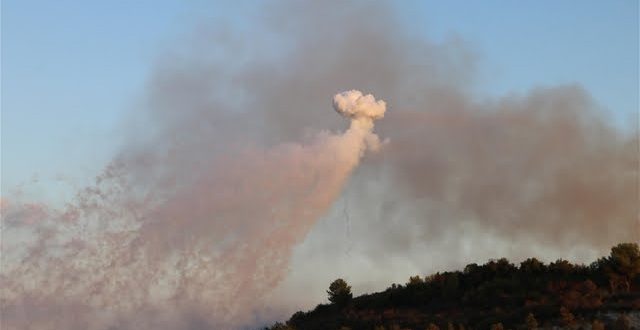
[[544, 165], [233, 160]]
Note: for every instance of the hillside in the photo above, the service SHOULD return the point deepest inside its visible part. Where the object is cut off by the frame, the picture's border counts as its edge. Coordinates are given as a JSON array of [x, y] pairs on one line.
[[496, 295]]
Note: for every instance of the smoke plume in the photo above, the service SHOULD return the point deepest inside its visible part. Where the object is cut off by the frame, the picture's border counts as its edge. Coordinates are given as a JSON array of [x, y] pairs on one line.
[[212, 248]]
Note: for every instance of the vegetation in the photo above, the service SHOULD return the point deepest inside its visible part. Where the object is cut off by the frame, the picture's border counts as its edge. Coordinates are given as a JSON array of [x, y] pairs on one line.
[[339, 292], [496, 295], [531, 322]]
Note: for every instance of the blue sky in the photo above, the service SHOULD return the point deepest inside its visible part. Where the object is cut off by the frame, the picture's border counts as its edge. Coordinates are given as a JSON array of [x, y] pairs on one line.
[[73, 70], [528, 43]]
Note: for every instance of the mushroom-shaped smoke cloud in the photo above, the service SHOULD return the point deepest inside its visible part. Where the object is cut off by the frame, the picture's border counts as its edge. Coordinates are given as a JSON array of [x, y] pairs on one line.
[[353, 104], [363, 110]]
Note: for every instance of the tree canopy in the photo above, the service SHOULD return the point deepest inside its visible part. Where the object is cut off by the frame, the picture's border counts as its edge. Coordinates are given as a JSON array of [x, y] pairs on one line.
[[497, 293], [625, 260], [339, 292]]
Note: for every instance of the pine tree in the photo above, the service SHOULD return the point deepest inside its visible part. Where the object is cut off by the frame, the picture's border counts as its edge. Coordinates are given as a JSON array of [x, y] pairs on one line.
[[622, 323], [432, 327], [497, 326], [567, 317], [339, 292], [597, 325], [531, 322], [624, 264]]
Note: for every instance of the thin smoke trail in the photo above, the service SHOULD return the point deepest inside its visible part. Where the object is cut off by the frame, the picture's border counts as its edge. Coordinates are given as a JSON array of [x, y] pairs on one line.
[[347, 221]]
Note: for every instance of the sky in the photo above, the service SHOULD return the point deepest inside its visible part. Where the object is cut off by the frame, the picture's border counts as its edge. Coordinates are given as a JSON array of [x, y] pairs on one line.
[[72, 70]]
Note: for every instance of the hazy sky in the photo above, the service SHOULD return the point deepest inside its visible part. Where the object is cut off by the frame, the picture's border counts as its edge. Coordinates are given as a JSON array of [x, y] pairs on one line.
[[73, 70]]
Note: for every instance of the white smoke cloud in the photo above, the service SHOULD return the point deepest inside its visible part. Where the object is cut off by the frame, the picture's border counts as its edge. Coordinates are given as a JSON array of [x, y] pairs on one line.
[[353, 104], [363, 110]]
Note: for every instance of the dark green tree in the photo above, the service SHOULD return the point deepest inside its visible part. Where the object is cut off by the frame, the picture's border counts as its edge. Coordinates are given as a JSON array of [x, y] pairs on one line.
[[339, 292], [597, 325], [566, 317], [624, 264], [415, 280], [451, 285], [622, 323], [497, 326], [532, 266], [531, 322], [560, 267], [281, 326], [432, 326]]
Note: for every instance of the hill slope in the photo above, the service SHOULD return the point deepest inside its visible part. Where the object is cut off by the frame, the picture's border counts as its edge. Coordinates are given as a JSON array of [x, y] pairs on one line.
[[496, 295]]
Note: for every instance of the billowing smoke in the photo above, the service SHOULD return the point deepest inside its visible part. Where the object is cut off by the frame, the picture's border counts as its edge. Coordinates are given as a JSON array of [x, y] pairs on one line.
[[194, 223], [201, 256], [363, 110]]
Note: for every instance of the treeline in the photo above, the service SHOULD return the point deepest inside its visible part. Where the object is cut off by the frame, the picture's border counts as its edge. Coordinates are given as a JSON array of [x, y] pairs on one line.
[[495, 295]]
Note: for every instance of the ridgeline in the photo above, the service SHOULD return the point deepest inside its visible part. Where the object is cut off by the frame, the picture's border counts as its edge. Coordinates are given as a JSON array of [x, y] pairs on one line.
[[496, 295]]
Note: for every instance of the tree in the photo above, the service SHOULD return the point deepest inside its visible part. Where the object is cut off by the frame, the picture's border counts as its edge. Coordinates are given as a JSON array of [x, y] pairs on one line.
[[531, 266], [501, 267], [297, 318], [281, 326], [339, 292], [560, 267], [497, 326], [567, 317], [531, 322], [624, 263], [415, 280], [451, 285], [597, 325], [432, 326], [622, 323]]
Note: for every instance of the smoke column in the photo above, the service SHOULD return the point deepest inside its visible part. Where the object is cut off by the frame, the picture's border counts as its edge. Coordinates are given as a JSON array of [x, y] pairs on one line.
[[201, 257]]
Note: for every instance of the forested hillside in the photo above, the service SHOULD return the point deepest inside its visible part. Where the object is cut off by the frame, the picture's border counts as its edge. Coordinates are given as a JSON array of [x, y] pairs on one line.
[[495, 295]]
